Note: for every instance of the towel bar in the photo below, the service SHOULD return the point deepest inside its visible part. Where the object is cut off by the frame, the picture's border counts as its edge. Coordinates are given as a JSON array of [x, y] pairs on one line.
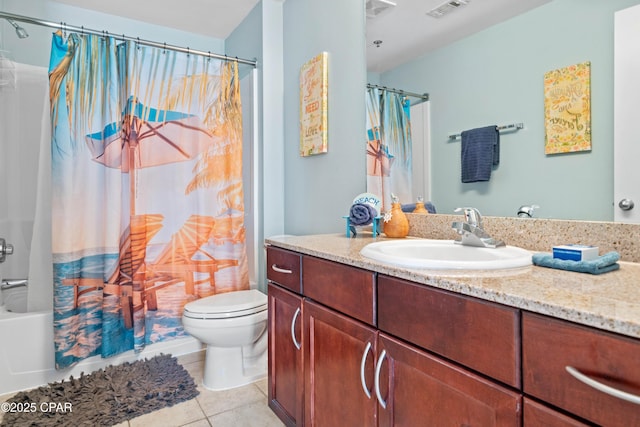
[[513, 126]]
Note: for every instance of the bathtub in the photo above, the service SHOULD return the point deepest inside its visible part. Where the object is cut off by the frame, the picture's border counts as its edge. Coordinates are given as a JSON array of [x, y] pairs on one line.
[[27, 353]]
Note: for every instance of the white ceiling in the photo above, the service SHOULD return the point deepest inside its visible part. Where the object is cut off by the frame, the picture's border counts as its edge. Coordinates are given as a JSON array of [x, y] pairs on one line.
[[213, 18], [405, 30]]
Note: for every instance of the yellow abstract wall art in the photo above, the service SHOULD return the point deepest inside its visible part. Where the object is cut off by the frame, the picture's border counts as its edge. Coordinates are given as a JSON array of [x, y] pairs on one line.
[[567, 109], [313, 105]]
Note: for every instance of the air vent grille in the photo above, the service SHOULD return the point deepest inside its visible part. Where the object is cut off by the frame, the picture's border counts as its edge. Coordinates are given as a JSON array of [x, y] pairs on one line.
[[447, 7], [377, 7]]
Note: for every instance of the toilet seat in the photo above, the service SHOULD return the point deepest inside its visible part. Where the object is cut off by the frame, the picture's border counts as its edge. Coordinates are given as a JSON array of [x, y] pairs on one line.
[[227, 305]]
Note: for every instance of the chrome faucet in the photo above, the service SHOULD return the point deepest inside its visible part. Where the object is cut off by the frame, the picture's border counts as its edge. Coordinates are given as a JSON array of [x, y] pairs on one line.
[[471, 230], [5, 249]]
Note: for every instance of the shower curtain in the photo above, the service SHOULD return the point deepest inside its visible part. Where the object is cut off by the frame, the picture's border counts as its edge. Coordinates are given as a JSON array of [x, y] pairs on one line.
[[147, 198], [389, 157]]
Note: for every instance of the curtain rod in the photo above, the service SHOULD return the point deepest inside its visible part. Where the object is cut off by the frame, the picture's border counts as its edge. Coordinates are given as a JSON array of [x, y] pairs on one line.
[[423, 96], [63, 26]]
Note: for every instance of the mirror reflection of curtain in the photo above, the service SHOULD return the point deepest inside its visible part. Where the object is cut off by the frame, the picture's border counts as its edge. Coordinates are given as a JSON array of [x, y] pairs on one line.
[[146, 191], [389, 153]]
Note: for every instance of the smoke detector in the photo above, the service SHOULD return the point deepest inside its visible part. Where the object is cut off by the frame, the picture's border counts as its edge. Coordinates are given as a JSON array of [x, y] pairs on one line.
[[376, 7], [447, 7]]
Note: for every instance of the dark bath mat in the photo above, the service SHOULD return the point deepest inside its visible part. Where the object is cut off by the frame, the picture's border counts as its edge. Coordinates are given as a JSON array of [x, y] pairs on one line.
[[105, 397]]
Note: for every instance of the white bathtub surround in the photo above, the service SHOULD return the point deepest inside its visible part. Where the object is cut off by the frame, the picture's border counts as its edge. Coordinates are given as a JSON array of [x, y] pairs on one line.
[[31, 363]]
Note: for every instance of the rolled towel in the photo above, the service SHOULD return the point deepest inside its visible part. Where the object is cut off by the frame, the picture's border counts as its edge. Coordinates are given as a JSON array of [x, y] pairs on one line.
[[602, 264], [362, 214]]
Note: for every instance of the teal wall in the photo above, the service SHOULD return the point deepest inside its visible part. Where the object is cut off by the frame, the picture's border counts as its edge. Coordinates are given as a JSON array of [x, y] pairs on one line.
[[320, 189], [496, 77]]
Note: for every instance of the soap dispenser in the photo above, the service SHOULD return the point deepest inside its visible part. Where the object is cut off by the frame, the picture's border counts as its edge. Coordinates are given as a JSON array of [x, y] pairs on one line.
[[396, 223], [420, 206]]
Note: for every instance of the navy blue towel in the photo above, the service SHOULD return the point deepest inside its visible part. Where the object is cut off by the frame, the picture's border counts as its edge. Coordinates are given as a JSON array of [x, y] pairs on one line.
[[480, 152]]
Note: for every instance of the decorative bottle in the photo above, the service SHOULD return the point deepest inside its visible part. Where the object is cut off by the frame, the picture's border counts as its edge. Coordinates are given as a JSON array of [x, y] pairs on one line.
[[420, 206], [396, 223]]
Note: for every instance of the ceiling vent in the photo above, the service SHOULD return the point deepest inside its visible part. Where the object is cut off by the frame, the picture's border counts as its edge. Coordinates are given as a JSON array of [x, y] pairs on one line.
[[447, 7], [376, 7]]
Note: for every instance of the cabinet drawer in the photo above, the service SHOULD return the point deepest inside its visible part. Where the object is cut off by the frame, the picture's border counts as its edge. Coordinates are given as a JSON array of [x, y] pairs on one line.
[[349, 290], [283, 267], [480, 335], [552, 345]]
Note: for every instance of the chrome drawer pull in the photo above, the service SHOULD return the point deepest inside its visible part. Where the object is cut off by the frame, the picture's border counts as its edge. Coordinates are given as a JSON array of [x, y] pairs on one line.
[[293, 328], [280, 270], [362, 363], [377, 379], [629, 397]]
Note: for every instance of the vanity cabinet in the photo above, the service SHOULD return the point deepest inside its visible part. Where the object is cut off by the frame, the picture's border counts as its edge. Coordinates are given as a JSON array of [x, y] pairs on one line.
[[348, 346], [356, 374], [590, 373]]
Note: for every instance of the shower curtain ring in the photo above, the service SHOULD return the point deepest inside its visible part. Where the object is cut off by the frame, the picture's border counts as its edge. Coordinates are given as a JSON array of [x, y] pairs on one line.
[[209, 56], [138, 43], [164, 49], [82, 30], [188, 51]]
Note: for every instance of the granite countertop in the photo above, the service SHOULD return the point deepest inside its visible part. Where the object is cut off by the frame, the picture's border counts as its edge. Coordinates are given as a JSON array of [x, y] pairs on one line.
[[609, 301]]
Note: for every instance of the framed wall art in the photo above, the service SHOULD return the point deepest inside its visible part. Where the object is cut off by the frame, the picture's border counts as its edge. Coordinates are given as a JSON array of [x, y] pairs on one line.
[[567, 109], [313, 105]]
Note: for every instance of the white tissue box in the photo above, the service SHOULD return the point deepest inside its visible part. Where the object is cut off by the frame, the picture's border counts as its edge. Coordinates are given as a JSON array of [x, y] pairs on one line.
[[576, 252]]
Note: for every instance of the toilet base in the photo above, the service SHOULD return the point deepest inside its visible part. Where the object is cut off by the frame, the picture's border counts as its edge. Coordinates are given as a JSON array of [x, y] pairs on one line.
[[227, 368]]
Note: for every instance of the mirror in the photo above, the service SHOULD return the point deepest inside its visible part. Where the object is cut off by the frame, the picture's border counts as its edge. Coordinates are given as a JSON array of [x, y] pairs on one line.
[[495, 76]]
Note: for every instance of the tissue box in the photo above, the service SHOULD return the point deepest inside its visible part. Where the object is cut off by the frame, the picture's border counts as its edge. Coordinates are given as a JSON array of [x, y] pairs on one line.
[[576, 252]]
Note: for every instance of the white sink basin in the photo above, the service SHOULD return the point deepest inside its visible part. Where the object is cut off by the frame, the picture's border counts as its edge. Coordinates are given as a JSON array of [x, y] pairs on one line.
[[445, 254]]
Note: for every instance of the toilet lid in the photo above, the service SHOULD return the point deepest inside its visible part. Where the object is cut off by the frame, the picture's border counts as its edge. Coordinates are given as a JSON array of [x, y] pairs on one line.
[[230, 304]]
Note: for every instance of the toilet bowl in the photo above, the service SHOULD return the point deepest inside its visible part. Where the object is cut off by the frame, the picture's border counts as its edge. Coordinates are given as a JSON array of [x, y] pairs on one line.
[[233, 326]]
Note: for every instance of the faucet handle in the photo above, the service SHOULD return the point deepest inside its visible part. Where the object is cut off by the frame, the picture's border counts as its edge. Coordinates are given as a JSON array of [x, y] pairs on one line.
[[471, 215]]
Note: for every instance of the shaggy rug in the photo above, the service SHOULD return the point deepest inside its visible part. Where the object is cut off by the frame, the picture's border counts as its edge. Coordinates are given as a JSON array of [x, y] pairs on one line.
[[103, 398]]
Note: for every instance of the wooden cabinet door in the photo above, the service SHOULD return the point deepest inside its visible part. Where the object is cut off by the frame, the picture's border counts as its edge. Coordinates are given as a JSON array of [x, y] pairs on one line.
[[286, 362], [538, 415], [339, 364], [416, 388]]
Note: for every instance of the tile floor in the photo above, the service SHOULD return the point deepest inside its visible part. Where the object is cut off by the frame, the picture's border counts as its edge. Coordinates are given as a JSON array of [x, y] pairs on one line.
[[242, 407]]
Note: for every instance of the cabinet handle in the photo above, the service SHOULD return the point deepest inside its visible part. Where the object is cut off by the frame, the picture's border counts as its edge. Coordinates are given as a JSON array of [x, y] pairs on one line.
[[377, 379], [293, 328], [629, 397], [362, 363], [280, 270]]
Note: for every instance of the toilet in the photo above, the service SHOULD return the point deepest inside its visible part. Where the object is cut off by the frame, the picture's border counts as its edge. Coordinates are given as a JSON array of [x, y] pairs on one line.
[[233, 325]]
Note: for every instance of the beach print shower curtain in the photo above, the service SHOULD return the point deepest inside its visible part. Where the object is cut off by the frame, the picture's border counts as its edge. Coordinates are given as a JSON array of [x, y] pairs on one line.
[[146, 191], [388, 146]]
